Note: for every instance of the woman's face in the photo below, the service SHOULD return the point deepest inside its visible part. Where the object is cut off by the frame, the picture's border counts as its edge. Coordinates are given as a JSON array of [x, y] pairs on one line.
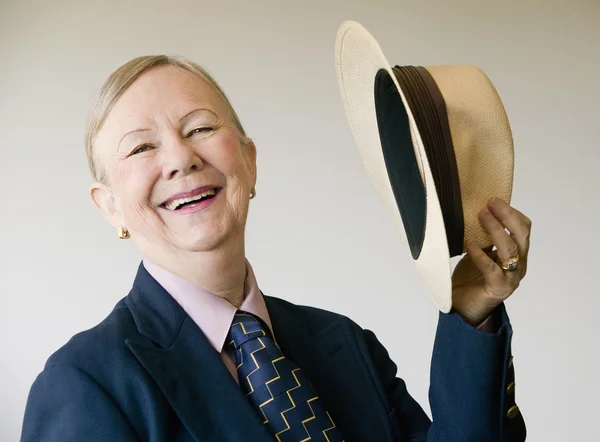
[[179, 175]]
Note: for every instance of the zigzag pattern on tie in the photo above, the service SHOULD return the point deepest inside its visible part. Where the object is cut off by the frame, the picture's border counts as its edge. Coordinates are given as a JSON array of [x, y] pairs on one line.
[[275, 384]]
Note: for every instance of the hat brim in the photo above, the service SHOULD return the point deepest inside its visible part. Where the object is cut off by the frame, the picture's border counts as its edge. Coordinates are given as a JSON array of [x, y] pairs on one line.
[[359, 60]]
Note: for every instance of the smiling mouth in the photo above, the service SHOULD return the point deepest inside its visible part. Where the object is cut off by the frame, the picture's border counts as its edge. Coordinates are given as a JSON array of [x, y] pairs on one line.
[[180, 203]]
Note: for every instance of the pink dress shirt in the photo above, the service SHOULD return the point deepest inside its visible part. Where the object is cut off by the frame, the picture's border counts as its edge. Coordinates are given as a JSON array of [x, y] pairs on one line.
[[211, 313]]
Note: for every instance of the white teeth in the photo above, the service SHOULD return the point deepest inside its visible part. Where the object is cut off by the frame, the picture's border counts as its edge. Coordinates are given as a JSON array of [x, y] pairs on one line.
[[176, 203]]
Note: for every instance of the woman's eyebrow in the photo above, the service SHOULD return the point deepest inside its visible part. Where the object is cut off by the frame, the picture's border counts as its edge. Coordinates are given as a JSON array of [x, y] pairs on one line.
[[129, 133], [200, 109]]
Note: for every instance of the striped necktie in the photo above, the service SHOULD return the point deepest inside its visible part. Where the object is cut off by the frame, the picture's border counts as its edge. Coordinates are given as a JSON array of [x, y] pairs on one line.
[[277, 389]]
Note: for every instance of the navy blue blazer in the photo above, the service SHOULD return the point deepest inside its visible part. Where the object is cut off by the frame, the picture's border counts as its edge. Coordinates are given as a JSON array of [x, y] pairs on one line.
[[148, 373]]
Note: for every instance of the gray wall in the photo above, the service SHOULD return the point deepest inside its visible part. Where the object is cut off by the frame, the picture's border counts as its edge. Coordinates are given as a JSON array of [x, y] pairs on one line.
[[317, 234]]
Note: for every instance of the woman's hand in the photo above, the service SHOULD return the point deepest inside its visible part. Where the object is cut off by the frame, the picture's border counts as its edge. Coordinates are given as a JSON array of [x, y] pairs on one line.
[[479, 284]]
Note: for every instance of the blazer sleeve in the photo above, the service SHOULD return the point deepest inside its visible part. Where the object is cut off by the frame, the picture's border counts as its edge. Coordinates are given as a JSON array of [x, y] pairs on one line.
[[471, 390], [65, 404]]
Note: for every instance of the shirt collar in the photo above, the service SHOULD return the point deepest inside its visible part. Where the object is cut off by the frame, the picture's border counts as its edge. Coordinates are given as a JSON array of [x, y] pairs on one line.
[[211, 313]]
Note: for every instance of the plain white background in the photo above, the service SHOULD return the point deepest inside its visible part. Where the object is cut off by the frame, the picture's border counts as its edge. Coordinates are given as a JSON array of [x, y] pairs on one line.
[[317, 234]]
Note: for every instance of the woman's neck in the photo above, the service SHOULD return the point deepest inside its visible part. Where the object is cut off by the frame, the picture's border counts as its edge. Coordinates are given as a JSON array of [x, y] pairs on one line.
[[221, 272]]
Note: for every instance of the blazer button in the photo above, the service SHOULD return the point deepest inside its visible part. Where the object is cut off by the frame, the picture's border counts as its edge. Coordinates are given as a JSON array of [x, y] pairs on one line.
[[513, 412], [510, 390], [510, 362]]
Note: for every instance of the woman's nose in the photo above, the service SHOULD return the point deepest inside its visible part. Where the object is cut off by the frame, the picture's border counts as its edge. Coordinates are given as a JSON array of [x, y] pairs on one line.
[[180, 158]]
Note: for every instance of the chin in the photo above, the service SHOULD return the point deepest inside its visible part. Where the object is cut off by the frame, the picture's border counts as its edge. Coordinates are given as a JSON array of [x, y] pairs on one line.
[[204, 240]]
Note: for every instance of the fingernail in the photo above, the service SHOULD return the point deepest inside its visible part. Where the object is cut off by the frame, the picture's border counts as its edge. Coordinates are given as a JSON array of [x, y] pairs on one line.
[[494, 201], [486, 212]]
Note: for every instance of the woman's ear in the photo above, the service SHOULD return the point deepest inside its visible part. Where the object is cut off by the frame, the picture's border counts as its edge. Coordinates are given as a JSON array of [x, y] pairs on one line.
[[251, 157], [104, 200]]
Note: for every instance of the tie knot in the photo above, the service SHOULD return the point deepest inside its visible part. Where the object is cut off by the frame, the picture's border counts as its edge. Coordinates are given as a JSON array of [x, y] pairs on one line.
[[245, 327]]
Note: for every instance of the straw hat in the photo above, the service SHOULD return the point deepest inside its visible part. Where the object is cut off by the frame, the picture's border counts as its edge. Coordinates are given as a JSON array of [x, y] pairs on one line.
[[436, 144]]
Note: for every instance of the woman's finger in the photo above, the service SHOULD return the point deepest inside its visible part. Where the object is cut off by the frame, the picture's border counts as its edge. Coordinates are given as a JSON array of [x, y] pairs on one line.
[[516, 222], [506, 247], [491, 271]]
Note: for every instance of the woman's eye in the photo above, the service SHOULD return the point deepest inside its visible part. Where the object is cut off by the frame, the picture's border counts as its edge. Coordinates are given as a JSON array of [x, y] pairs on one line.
[[140, 149], [200, 130]]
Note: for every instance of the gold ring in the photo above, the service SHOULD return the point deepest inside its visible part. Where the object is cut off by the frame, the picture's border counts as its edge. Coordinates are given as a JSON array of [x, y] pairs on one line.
[[510, 264]]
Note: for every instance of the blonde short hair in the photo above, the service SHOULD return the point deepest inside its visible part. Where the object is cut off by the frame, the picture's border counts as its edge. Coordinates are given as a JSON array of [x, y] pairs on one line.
[[120, 80]]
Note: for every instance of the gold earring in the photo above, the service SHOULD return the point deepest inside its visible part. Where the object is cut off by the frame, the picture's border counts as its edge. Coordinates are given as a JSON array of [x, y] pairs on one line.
[[252, 193], [123, 232]]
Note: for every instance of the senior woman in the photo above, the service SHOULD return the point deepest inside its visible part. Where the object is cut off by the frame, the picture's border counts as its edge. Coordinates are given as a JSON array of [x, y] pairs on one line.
[[196, 352]]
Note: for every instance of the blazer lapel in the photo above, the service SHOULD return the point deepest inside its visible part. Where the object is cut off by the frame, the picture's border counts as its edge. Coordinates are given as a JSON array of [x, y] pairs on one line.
[[187, 368], [331, 358]]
